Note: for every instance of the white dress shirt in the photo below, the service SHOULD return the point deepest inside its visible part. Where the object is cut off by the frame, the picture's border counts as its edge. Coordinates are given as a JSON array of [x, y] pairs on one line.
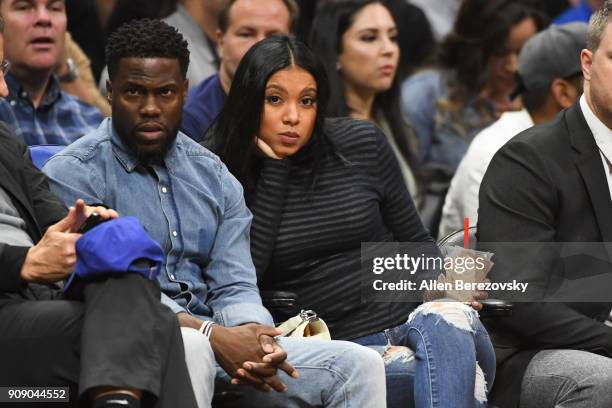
[[602, 135], [462, 197]]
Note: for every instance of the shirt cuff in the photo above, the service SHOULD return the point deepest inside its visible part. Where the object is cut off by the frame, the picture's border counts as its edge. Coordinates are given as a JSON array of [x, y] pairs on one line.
[[243, 313]]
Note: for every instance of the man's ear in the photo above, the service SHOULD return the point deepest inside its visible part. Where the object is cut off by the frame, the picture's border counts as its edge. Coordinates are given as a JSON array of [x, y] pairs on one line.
[[586, 60], [219, 44], [185, 89], [109, 91], [564, 93]]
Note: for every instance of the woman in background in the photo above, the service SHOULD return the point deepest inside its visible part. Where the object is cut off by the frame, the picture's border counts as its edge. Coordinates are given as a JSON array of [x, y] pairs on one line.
[[317, 189], [357, 42], [475, 78]]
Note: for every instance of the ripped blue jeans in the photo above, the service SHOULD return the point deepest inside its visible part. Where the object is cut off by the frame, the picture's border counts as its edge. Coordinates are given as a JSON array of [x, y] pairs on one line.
[[441, 357]]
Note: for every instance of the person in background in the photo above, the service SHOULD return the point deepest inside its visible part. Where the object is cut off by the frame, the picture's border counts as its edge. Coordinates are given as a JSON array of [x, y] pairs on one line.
[[37, 110], [118, 12], [579, 12], [242, 23], [75, 69], [440, 13], [471, 86], [550, 80], [357, 42], [196, 20], [87, 26], [317, 189], [415, 38]]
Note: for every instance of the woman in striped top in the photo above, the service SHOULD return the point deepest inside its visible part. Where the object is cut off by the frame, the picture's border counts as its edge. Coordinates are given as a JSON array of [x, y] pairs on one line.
[[318, 188]]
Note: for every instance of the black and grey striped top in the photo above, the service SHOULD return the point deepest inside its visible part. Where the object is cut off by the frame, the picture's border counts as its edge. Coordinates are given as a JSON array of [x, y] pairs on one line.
[[308, 225]]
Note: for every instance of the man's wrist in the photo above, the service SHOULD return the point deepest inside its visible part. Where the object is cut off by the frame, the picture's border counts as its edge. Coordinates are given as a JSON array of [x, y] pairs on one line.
[[70, 73], [215, 336], [203, 326], [207, 328], [26, 269]]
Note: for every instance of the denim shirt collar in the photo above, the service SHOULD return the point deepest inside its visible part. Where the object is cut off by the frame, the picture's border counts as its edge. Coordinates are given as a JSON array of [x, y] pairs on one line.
[[17, 92], [125, 156]]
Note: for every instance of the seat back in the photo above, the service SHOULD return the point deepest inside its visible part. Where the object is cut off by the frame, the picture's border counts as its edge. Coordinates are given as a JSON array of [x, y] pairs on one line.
[[41, 153]]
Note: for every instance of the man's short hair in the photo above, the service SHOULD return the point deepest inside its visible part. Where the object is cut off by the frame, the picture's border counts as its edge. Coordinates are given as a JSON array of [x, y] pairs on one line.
[[292, 6], [146, 38], [597, 25]]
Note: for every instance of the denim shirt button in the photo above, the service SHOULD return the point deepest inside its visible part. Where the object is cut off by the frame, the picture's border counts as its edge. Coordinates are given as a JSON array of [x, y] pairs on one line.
[[172, 277], [164, 190], [174, 233]]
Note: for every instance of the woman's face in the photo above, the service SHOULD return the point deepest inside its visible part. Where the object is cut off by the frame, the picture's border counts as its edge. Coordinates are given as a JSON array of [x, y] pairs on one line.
[[289, 111], [504, 65], [370, 52]]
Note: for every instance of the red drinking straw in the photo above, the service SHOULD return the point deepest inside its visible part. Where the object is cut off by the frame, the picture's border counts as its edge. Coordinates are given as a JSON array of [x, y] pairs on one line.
[[466, 235]]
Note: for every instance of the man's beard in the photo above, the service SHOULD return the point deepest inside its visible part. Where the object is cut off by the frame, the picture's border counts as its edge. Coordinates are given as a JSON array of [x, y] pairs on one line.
[[151, 156]]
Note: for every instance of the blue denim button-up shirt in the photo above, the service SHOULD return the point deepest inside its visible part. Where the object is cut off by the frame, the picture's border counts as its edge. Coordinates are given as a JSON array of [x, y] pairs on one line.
[[191, 205]]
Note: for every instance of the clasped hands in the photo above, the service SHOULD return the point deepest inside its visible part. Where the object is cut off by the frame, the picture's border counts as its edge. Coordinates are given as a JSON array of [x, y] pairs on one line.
[[250, 355], [54, 256]]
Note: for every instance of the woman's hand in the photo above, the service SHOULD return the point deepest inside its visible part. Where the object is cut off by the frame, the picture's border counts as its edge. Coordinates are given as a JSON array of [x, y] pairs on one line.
[[265, 148]]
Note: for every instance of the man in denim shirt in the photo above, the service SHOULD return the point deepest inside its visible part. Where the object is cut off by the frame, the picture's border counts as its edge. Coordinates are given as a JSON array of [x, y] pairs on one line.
[[188, 201]]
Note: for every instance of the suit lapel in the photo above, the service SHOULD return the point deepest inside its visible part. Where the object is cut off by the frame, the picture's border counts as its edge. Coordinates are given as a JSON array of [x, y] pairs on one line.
[[588, 161]]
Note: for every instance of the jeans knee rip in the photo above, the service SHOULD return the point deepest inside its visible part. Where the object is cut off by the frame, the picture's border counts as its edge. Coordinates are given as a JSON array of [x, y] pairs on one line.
[[454, 313], [480, 386]]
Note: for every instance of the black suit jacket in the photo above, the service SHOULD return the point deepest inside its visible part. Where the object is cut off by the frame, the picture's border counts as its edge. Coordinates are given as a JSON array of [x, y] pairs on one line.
[[29, 192], [547, 184]]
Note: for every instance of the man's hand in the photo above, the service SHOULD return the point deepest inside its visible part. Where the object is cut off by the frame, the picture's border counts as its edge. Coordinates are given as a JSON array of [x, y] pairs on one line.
[[83, 211], [250, 355], [275, 358], [53, 258]]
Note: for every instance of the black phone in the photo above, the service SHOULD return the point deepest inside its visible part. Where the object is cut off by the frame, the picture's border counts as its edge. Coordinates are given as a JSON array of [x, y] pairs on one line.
[[496, 307], [93, 220]]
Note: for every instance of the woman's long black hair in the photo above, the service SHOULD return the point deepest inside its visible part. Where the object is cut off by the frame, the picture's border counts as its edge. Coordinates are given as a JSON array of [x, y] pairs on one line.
[[233, 132], [332, 20]]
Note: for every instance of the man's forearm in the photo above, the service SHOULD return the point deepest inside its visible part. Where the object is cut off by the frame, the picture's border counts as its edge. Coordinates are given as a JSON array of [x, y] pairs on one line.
[[187, 320]]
